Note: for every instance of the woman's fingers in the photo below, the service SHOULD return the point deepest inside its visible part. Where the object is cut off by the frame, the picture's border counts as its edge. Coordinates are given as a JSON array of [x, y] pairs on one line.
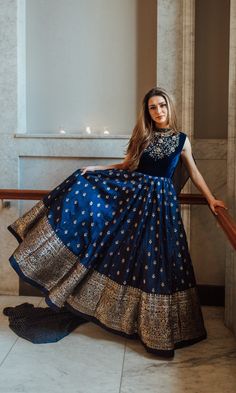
[[212, 207], [88, 168], [217, 203], [221, 204]]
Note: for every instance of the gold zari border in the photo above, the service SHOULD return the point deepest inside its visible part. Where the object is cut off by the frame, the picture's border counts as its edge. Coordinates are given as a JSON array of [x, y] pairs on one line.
[[159, 320]]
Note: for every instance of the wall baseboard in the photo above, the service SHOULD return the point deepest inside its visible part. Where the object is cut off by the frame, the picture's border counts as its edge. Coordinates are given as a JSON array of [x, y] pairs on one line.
[[26, 289], [211, 295]]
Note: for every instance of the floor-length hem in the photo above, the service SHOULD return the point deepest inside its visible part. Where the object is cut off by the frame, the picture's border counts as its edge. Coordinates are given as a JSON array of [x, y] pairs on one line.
[[158, 352], [164, 353], [18, 270]]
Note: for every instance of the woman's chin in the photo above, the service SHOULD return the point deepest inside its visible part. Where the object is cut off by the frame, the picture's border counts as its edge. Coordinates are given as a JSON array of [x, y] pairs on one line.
[[161, 124]]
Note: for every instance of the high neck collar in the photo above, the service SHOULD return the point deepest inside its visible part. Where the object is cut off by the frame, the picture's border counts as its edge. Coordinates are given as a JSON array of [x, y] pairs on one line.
[[164, 129], [160, 132]]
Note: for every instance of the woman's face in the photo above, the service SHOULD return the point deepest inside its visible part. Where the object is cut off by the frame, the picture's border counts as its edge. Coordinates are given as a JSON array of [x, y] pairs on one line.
[[158, 111]]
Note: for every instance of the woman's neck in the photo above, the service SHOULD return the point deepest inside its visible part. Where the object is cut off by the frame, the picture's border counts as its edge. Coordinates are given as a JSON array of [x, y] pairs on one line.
[[162, 129]]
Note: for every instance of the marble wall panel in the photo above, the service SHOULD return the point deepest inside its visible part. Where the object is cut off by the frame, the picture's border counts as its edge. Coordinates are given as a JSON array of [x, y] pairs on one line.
[[45, 173], [208, 242]]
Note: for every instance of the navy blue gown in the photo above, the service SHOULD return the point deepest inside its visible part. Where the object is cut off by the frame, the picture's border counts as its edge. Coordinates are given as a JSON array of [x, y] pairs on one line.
[[110, 246]]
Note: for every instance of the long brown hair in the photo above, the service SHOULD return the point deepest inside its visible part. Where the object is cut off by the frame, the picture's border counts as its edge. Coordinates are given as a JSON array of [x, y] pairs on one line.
[[145, 126]]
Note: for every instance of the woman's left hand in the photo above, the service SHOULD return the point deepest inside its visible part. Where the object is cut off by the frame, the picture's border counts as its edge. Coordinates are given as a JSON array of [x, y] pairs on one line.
[[216, 203]]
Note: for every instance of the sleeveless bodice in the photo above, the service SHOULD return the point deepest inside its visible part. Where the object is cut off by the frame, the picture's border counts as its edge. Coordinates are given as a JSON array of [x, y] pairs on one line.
[[161, 156]]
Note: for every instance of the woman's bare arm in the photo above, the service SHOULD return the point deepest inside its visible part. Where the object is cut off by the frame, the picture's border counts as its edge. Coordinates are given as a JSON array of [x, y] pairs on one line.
[[197, 178]]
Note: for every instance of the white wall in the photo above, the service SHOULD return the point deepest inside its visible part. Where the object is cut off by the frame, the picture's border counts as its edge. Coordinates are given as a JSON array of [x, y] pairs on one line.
[[81, 65]]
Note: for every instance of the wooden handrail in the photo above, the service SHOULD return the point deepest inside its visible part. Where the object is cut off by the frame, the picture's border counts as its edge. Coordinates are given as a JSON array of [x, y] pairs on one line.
[[225, 220], [33, 195], [228, 224]]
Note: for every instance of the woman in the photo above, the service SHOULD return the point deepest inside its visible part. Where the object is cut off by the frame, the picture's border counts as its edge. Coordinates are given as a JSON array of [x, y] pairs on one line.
[[109, 243]]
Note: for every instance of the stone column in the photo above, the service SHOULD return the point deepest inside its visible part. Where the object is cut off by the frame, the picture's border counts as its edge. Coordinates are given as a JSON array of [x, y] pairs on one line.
[[230, 273], [175, 65]]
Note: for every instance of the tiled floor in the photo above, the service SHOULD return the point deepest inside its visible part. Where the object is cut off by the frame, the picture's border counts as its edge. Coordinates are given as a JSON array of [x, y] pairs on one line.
[[91, 360]]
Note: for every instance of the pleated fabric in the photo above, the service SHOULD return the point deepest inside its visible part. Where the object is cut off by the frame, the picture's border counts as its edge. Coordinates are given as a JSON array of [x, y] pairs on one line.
[[110, 246]]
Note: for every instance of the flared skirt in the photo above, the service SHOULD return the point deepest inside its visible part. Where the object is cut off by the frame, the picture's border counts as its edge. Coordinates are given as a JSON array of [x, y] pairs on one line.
[[111, 246]]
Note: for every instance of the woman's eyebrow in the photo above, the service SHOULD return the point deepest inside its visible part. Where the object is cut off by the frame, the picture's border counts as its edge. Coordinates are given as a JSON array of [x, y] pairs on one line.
[[159, 103]]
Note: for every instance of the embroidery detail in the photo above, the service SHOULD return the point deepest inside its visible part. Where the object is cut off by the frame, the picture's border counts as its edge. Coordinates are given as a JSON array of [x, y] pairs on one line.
[[162, 145]]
